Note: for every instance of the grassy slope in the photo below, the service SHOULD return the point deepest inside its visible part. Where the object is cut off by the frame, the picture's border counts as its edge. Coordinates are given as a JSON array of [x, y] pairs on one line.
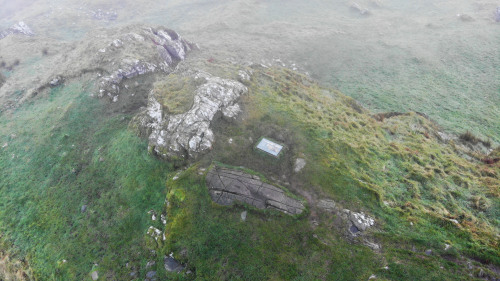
[[396, 170], [52, 166]]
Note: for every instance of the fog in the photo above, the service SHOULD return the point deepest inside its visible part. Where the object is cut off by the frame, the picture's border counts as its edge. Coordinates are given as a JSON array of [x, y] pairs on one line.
[[437, 57]]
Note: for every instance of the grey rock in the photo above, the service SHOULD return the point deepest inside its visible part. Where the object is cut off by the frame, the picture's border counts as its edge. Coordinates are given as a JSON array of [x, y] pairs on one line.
[[94, 275], [151, 274], [150, 264], [327, 204], [497, 14], [172, 265], [361, 221], [83, 208], [300, 163], [56, 81], [244, 215], [227, 186], [428, 252], [188, 135], [18, 28], [371, 245]]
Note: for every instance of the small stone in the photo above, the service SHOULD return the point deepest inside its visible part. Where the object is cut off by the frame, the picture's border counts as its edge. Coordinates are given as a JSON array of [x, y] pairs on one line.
[[56, 81], [150, 264], [151, 274], [94, 275], [300, 163], [373, 276], [385, 267], [83, 208], [230, 140], [428, 252], [244, 215]]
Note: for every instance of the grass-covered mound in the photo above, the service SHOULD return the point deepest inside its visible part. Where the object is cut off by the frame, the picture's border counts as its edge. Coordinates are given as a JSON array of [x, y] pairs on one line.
[[66, 149]]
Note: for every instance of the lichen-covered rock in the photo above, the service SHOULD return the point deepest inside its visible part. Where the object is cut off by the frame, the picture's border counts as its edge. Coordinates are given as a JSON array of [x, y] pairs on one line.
[[227, 186], [187, 135], [18, 28], [169, 48], [108, 56]]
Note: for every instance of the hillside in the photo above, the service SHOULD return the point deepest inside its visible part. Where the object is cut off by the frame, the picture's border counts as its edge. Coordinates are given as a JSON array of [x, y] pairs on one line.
[[107, 168]]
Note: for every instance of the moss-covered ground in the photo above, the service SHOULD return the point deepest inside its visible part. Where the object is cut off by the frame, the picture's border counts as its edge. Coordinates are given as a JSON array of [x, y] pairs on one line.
[[66, 150]]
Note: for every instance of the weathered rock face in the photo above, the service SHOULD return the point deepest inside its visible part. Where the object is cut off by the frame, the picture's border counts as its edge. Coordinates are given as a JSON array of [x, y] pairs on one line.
[[356, 222], [169, 48], [18, 28], [188, 135], [227, 186], [114, 57]]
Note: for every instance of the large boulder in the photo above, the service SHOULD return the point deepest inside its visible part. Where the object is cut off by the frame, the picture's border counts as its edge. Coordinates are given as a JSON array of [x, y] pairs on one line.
[[227, 186]]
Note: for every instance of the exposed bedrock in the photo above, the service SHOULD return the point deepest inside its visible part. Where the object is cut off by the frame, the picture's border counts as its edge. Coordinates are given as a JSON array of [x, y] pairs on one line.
[[188, 135], [18, 28], [227, 186], [153, 49]]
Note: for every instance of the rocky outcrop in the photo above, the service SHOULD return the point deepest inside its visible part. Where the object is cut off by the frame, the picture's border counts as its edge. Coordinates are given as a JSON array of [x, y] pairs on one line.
[[227, 186], [188, 135], [356, 222], [169, 46], [129, 57], [172, 265], [18, 28]]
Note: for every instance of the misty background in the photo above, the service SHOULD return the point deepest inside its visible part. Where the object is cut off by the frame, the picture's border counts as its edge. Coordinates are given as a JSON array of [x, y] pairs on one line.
[[440, 58]]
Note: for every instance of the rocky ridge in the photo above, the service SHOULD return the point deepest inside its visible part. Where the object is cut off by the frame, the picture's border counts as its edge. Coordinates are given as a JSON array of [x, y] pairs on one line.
[[112, 55]]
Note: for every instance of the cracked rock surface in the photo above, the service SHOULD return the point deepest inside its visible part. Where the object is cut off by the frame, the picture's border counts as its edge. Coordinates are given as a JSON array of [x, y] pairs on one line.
[[188, 135], [227, 186]]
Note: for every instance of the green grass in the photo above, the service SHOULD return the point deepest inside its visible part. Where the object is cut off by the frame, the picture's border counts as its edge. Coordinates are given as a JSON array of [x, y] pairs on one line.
[[64, 151], [396, 170]]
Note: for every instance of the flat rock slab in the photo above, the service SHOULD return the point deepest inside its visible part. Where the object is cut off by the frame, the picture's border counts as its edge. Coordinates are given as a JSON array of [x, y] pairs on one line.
[[227, 186]]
